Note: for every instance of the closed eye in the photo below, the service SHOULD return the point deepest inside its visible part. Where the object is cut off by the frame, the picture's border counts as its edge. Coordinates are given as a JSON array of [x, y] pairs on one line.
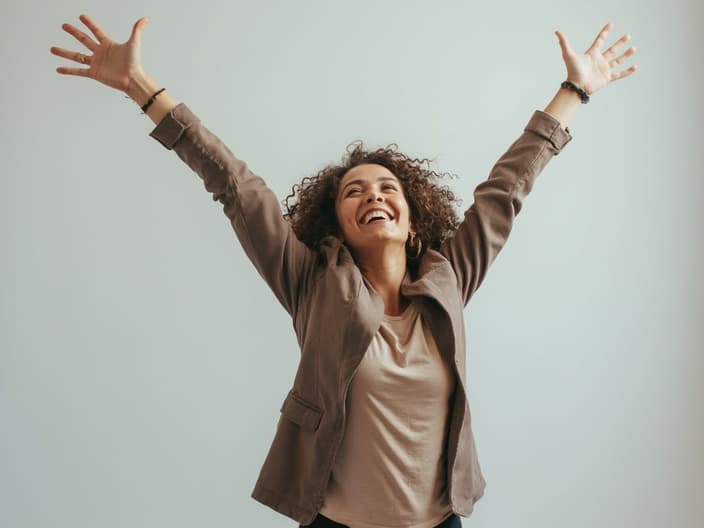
[[387, 186]]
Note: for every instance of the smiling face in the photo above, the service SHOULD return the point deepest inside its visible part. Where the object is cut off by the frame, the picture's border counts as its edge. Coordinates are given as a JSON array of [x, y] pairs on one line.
[[371, 208]]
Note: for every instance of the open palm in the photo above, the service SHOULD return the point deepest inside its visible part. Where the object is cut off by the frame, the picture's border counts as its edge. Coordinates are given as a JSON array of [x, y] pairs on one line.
[[110, 63], [593, 69]]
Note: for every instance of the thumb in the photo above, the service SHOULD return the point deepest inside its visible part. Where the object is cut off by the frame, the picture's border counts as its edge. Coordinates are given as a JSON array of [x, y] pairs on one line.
[[137, 29], [564, 44]]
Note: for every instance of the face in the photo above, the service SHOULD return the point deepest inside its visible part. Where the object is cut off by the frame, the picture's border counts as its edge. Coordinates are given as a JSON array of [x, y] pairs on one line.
[[366, 188]]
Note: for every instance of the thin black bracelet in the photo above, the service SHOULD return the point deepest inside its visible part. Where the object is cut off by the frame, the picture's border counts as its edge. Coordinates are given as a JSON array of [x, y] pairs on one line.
[[151, 100], [571, 86]]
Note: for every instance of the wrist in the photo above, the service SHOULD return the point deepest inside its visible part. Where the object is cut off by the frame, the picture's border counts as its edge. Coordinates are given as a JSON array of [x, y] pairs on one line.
[[570, 93], [576, 88], [141, 87], [563, 106]]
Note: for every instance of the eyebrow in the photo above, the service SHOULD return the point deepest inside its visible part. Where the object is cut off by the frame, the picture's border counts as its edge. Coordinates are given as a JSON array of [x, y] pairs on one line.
[[380, 178]]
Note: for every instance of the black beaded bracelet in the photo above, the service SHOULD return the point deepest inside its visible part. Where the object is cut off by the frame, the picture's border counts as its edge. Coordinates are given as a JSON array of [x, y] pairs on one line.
[[151, 100], [571, 86]]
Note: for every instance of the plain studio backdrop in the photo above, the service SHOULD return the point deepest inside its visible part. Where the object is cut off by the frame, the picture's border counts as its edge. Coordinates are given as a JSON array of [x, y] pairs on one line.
[[142, 359]]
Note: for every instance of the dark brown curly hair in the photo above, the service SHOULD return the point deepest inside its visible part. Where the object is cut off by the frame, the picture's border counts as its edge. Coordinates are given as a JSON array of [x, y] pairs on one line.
[[313, 215]]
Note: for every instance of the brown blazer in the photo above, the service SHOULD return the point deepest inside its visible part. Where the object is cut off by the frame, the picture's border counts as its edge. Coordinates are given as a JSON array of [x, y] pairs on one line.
[[336, 312]]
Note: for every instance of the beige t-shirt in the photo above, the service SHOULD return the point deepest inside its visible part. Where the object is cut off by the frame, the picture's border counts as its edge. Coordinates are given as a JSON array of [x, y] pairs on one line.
[[390, 470]]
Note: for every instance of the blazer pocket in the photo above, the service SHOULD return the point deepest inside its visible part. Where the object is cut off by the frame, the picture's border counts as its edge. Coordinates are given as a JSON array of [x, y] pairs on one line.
[[301, 412]]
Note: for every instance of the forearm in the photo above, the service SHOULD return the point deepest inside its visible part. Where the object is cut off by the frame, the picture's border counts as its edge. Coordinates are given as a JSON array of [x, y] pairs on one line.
[[141, 88], [563, 106]]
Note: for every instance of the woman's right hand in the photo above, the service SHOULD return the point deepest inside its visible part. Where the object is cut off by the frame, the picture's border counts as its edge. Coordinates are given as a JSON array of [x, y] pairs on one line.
[[110, 63]]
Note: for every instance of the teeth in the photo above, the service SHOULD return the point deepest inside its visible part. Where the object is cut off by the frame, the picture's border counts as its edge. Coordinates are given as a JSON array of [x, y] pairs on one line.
[[372, 214]]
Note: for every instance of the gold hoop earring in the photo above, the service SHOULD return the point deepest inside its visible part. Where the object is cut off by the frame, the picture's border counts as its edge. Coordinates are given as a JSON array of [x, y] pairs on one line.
[[419, 246]]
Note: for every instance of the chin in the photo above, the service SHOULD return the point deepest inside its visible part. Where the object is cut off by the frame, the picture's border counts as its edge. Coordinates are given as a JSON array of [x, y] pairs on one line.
[[381, 240]]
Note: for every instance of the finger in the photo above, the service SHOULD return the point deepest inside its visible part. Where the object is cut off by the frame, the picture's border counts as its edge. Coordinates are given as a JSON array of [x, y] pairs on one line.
[[61, 52], [615, 62], [137, 29], [66, 54], [601, 36], [620, 42], [94, 28], [82, 37], [72, 55], [624, 73], [81, 72], [564, 43]]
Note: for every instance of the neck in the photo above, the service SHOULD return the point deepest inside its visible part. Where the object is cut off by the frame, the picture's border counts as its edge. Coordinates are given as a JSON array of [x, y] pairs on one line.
[[384, 268]]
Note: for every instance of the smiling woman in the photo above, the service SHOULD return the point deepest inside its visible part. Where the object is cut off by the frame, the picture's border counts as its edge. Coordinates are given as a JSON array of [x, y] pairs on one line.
[[374, 267], [315, 213], [335, 201]]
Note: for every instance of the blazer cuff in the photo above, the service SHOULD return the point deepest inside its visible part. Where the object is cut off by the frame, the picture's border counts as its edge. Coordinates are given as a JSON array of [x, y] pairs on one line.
[[547, 126], [173, 125]]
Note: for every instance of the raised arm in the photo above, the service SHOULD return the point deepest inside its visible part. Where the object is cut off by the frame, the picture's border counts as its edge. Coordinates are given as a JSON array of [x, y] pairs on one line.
[[253, 209], [497, 200]]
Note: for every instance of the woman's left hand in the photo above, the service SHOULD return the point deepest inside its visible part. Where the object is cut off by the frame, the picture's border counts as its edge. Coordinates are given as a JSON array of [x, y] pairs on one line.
[[593, 69]]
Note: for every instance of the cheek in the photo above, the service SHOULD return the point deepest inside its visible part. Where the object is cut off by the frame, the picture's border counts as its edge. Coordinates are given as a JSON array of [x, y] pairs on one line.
[[405, 213], [345, 216]]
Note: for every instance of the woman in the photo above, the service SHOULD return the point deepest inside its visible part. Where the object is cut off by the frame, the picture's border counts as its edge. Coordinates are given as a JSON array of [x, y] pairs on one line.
[[374, 268]]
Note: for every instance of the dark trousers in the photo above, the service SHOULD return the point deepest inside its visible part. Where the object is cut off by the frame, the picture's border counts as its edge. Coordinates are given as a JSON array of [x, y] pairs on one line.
[[453, 521]]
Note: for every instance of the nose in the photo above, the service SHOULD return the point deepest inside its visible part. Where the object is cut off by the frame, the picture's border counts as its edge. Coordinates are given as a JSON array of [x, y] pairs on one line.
[[374, 195]]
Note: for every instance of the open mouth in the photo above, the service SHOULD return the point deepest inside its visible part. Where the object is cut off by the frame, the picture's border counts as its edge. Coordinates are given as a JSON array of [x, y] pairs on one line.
[[376, 216]]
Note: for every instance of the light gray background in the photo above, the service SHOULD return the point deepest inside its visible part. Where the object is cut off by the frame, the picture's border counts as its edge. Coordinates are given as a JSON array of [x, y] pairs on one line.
[[143, 361]]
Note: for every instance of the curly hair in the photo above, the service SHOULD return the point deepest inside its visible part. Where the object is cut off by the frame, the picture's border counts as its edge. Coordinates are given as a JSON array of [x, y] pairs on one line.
[[313, 215]]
